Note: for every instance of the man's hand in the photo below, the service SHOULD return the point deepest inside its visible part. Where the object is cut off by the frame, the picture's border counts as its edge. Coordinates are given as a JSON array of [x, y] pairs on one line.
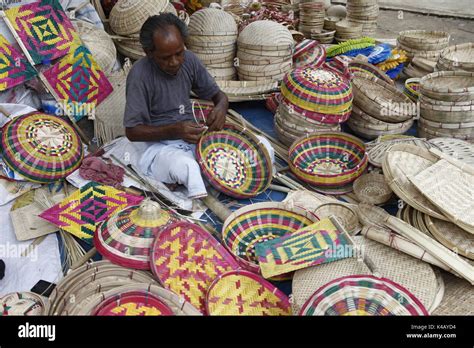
[[216, 118], [189, 131]]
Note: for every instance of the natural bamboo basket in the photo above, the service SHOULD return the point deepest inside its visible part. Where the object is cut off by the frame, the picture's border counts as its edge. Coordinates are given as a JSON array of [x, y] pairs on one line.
[[266, 36], [430, 133], [455, 86], [458, 149], [372, 188], [377, 153], [360, 129], [211, 22], [458, 57], [344, 213]]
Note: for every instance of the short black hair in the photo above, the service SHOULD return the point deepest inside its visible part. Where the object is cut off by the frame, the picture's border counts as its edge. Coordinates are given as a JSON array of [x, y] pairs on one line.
[[159, 22]]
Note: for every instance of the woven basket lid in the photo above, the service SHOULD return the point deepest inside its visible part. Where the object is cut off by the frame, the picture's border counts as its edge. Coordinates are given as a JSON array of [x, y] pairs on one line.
[[258, 222], [128, 16], [328, 159], [363, 295], [309, 52], [321, 93], [41, 147], [205, 259], [210, 21], [265, 34], [245, 293], [22, 304], [126, 237]]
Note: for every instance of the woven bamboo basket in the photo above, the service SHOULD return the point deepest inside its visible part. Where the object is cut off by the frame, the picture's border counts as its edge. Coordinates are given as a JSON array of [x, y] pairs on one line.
[[299, 123], [460, 127], [330, 22], [344, 213], [413, 72], [448, 86], [361, 130], [210, 22], [99, 43], [359, 66], [412, 52], [424, 64], [458, 57], [424, 40], [259, 222], [128, 16], [309, 53], [458, 297], [130, 52], [376, 98], [372, 188], [429, 133], [437, 130], [369, 122], [328, 159], [22, 304], [403, 161], [211, 41], [247, 88], [260, 52], [248, 59], [243, 77], [266, 36], [458, 149], [258, 70], [415, 275]]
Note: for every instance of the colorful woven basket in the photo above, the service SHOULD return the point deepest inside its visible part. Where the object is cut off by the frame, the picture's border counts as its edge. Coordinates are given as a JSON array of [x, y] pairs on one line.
[[133, 303], [22, 304], [126, 237], [41, 147], [255, 223], [320, 94], [412, 87], [186, 259], [245, 293], [235, 162], [363, 295], [328, 159], [309, 53]]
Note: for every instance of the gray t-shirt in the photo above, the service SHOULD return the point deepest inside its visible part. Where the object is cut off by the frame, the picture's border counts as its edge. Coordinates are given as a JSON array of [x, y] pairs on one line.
[[158, 99]]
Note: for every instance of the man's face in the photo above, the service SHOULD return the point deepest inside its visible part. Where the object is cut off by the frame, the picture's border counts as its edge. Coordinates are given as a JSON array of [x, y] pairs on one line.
[[169, 50]]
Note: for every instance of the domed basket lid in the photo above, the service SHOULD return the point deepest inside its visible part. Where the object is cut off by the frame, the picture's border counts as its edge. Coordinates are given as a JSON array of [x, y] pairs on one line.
[[266, 35], [126, 237], [210, 21]]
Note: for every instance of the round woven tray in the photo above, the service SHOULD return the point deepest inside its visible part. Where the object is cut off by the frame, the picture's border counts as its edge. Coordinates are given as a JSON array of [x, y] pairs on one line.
[[430, 133], [358, 66], [438, 128], [460, 150], [193, 246], [382, 100], [458, 297], [415, 275], [424, 39], [403, 161], [259, 222], [458, 57], [372, 188], [369, 122], [212, 22], [245, 293], [266, 36], [361, 130], [128, 16], [22, 304], [460, 127], [448, 85], [328, 159], [344, 213]]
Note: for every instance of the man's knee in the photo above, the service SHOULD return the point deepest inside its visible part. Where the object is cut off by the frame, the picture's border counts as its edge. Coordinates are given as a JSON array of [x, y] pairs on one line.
[[182, 167]]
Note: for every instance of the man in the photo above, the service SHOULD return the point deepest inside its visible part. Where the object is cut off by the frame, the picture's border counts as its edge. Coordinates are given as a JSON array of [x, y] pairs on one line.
[[158, 108]]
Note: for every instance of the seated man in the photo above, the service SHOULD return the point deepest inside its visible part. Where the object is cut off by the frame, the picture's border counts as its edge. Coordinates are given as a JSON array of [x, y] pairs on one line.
[[158, 106]]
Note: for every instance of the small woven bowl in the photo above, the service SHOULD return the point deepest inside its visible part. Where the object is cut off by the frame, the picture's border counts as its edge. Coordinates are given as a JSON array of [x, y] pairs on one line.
[[372, 188], [328, 159], [346, 215]]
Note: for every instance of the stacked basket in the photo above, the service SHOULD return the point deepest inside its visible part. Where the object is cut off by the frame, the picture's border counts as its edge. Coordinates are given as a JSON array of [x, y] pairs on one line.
[[348, 30], [458, 57], [423, 43], [419, 67], [126, 20], [365, 13], [311, 18], [264, 51], [447, 105], [379, 108], [312, 100], [212, 37]]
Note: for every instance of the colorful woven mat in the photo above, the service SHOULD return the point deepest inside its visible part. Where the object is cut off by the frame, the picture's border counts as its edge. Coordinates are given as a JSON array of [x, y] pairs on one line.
[[235, 162], [133, 303], [127, 236], [44, 29], [81, 212], [186, 259], [42, 148], [363, 295], [14, 67], [79, 82], [316, 244], [245, 293], [309, 53]]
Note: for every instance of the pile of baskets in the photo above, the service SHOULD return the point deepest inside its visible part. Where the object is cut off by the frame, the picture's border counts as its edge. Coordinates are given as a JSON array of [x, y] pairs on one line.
[[126, 20], [419, 67], [312, 100], [365, 13], [458, 57], [379, 108], [324, 37], [311, 17], [212, 37], [423, 43], [348, 30], [447, 105], [264, 51]]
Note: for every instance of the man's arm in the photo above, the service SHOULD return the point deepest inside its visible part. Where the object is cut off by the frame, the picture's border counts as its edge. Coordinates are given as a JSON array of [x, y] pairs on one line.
[[187, 131], [217, 116]]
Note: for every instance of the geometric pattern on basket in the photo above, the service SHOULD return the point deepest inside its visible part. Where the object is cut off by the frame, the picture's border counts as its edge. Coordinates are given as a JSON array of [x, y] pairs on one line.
[[234, 162], [310, 246], [328, 159], [44, 28], [21, 304], [14, 67], [133, 303], [78, 80], [245, 293], [186, 259], [319, 94], [40, 147], [363, 295], [80, 213]]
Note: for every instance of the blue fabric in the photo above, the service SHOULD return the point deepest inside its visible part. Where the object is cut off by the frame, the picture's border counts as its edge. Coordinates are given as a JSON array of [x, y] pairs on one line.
[[380, 53]]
